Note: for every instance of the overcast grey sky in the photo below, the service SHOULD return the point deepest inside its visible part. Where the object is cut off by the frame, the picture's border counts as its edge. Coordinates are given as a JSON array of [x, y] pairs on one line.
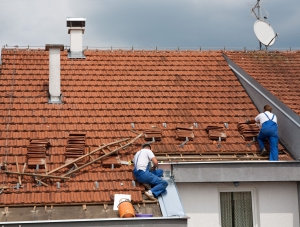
[[145, 24]]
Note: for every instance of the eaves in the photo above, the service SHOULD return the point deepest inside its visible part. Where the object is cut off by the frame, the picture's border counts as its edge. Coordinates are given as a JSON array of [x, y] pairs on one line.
[[236, 171], [109, 222]]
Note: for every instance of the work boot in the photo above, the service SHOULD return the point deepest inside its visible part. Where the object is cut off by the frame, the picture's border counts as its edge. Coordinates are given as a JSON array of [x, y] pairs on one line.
[[150, 195], [263, 152]]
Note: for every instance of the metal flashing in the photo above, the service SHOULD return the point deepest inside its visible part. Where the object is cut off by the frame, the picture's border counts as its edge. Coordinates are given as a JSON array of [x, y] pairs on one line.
[[78, 55], [169, 200], [55, 100]]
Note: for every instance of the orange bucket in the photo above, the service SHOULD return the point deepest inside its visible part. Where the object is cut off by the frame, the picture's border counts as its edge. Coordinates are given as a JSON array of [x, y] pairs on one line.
[[126, 209]]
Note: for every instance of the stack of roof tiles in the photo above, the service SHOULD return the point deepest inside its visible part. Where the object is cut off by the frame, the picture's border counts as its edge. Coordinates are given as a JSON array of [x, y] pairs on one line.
[[105, 96], [248, 131], [36, 152], [75, 147], [216, 132], [154, 134], [184, 131]]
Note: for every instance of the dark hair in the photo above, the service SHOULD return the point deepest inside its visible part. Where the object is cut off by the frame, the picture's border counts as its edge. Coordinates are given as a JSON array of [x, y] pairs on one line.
[[267, 108], [146, 145]]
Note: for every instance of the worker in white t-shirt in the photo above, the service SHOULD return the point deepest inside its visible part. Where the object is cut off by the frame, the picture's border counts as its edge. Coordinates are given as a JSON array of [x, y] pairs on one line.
[[268, 130], [146, 174]]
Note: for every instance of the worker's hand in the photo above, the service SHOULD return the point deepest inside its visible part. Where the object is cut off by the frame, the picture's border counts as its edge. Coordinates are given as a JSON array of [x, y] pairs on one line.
[[153, 168]]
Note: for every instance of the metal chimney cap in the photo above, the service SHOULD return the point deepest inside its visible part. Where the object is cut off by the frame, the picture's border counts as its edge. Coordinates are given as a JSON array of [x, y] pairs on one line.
[[77, 22], [48, 46]]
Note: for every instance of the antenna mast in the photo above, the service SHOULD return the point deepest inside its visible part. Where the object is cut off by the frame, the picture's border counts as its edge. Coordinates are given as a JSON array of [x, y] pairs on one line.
[[258, 10], [258, 16]]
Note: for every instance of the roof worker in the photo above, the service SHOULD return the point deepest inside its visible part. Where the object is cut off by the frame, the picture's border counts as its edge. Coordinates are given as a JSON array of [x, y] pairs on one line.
[[268, 130], [146, 174]]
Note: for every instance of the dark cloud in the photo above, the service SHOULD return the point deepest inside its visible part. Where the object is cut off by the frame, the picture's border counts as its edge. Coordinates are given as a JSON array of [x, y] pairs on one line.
[[147, 23]]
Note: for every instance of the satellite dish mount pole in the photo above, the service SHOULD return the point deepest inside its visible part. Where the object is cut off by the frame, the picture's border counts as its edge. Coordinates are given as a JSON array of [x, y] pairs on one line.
[[259, 18]]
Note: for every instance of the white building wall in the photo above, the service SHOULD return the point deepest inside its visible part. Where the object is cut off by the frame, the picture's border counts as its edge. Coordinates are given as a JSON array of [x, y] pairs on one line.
[[275, 203], [279, 204]]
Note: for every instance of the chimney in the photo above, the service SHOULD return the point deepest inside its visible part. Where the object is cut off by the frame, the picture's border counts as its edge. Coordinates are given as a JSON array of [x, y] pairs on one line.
[[54, 72], [76, 27]]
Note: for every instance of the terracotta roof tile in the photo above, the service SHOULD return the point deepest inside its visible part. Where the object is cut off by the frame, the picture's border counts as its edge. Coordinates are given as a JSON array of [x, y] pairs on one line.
[[108, 92], [276, 71]]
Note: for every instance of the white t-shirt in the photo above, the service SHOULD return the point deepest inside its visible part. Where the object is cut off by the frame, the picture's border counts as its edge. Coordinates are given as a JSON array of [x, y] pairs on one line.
[[261, 118], [142, 158]]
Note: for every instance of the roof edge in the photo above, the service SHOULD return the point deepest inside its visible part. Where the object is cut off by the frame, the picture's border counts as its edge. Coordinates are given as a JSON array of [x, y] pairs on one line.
[[237, 171], [160, 221]]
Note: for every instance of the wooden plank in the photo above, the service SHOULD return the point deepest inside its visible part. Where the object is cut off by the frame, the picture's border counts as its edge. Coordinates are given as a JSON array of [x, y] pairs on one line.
[[210, 157], [43, 183], [83, 156], [24, 167], [19, 177], [103, 156]]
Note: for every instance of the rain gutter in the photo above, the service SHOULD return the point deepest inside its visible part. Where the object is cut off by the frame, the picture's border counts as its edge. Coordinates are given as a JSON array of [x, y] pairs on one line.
[[110, 222]]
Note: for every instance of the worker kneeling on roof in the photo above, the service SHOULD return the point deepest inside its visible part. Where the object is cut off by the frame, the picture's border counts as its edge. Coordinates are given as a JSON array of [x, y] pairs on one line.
[[146, 174]]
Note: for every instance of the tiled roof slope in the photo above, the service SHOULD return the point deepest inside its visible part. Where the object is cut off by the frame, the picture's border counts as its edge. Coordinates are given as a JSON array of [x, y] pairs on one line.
[[105, 96], [278, 72]]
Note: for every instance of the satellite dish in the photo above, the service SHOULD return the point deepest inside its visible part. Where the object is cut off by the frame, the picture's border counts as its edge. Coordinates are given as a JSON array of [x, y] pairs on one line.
[[264, 32]]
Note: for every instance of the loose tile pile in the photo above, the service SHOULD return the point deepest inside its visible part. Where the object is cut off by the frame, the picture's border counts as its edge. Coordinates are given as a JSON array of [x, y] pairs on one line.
[[153, 133], [216, 132], [248, 131], [75, 147], [36, 153], [184, 131]]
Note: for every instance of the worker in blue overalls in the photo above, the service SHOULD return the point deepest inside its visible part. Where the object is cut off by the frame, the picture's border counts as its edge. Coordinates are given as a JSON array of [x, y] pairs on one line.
[[268, 130], [147, 174]]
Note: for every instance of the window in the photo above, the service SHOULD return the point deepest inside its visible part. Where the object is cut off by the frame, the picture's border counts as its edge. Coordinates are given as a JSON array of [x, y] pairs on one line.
[[236, 209]]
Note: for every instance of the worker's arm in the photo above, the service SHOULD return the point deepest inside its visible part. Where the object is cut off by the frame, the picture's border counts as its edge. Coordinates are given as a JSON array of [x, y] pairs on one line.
[[155, 163]]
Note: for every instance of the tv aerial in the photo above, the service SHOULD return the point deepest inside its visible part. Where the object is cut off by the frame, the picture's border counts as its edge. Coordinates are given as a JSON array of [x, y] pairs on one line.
[[259, 12], [263, 30]]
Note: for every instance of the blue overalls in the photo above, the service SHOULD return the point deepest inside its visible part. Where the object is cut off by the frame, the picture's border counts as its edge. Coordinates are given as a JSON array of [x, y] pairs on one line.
[[153, 178], [269, 130]]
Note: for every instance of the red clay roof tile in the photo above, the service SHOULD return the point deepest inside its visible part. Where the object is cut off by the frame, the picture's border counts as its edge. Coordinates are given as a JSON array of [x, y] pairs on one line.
[[274, 70], [108, 92]]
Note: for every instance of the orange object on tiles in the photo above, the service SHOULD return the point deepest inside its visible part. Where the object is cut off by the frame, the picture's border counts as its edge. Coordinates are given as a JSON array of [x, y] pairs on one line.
[[126, 209]]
